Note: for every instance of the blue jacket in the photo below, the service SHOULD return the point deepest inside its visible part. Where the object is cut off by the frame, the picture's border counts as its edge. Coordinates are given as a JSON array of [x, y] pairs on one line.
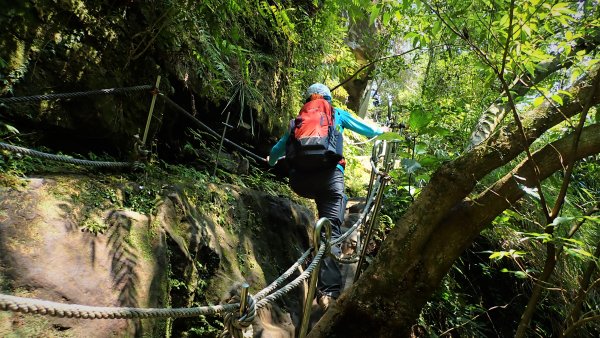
[[343, 119]]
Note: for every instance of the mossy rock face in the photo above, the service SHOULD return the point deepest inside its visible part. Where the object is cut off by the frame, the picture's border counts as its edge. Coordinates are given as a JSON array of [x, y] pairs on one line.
[[190, 251], [46, 255]]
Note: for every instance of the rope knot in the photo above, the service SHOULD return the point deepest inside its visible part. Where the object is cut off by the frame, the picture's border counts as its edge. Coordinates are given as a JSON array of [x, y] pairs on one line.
[[234, 322]]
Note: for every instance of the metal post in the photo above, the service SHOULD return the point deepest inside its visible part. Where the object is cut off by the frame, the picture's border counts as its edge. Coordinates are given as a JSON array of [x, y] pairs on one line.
[[374, 156], [312, 285], [244, 298], [389, 150], [154, 94], [221, 143]]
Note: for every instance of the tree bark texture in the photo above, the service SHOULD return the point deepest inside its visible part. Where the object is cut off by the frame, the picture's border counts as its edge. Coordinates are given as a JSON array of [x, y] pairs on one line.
[[443, 221]]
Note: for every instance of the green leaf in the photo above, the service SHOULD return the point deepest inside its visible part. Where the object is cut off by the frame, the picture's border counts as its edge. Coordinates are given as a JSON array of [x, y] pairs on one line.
[[520, 274], [496, 255], [566, 93], [530, 67], [544, 237], [409, 165], [436, 131], [595, 219], [569, 35], [429, 160], [386, 18], [437, 25], [419, 119], [389, 136], [374, 14], [538, 100], [578, 253], [10, 128], [560, 9], [558, 99], [421, 148], [562, 220]]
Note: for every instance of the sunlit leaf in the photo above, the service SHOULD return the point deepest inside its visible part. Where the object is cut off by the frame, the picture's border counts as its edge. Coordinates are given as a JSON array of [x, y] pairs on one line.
[[569, 35], [558, 99], [390, 136], [595, 219], [564, 92], [511, 253], [562, 220], [538, 100], [409, 165], [386, 18], [533, 192], [374, 14], [578, 252], [561, 8], [530, 68], [419, 119], [11, 129]]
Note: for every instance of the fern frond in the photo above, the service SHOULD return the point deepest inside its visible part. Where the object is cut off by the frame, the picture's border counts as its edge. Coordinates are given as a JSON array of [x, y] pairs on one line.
[[487, 124]]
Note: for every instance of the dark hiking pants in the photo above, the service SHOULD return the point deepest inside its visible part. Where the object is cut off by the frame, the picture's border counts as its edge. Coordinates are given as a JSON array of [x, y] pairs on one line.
[[327, 189]]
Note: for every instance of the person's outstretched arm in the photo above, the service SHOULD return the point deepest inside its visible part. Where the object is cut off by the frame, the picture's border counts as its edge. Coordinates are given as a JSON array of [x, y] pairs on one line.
[[278, 149], [358, 125]]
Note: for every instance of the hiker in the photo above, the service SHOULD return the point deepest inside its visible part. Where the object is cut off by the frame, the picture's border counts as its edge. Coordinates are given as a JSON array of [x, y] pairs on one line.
[[313, 148]]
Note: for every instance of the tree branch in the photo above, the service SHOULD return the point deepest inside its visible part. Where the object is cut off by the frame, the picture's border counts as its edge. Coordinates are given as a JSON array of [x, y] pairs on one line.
[[372, 63]]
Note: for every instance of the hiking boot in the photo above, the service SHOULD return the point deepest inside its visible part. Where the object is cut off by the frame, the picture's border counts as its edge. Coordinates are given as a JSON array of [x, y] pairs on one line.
[[325, 302]]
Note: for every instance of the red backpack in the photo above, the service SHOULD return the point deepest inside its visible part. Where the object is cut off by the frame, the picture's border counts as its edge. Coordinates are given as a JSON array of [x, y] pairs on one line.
[[314, 142]]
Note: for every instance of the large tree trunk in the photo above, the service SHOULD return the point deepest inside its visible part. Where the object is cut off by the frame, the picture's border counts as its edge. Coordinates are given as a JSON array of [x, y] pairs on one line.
[[443, 221], [364, 47]]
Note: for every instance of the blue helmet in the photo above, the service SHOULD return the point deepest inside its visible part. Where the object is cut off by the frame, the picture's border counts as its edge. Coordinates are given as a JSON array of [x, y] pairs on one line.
[[318, 88]]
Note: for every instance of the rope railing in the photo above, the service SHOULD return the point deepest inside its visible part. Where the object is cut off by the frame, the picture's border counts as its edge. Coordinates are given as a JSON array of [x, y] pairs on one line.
[[294, 283], [66, 159], [56, 96], [273, 286], [55, 309]]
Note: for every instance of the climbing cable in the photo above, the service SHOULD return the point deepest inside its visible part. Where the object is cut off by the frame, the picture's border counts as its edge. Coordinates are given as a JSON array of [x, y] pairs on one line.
[[107, 91], [35, 153], [54, 309]]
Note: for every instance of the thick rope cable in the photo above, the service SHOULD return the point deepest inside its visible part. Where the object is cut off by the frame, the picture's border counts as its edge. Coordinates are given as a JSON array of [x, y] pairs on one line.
[[304, 275], [107, 91], [35, 153], [43, 307], [212, 132], [54, 309], [264, 292]]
